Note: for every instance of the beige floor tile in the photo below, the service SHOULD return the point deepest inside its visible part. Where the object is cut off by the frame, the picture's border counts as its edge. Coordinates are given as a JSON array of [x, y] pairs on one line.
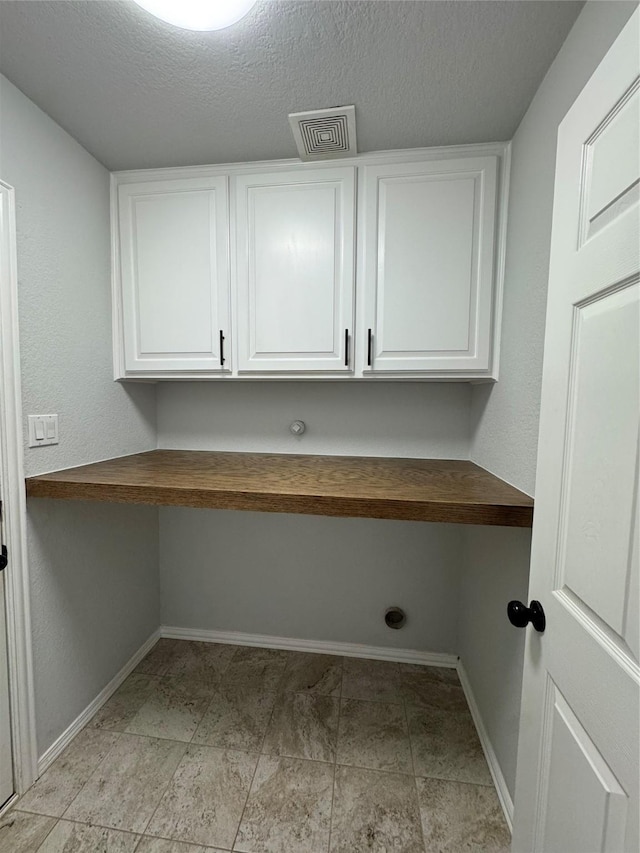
[[193, 686], [236, 718], [200, 666], [131, 771], [289, 808], [373, 680], [56, 788], [445, 745], [160, 656], [374, 735], [204, 802], [169, 712], [309, 673], [68, 837], [263, 669], [256, 654], [304, 726], [23, 833], [457, 816], [125, 703], [375, 812], [421, 690], [442, 674], [126, 788], [161, 845]]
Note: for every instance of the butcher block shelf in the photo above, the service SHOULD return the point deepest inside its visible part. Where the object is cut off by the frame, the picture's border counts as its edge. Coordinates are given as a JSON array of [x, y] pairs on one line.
[[350, 486]]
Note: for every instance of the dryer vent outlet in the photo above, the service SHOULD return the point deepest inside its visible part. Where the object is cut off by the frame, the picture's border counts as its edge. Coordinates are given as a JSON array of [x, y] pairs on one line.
[[395, 617], [325, 134]]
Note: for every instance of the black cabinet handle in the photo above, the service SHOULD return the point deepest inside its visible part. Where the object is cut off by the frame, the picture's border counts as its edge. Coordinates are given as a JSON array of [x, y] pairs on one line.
[[346, 347], [221, 348], [520, 615], [369, 348]]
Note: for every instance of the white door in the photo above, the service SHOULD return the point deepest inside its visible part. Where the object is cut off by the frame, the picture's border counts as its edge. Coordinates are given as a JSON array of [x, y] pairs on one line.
[[174, 275], [6, 762], [428, 265], [577, 779], [295, 270]]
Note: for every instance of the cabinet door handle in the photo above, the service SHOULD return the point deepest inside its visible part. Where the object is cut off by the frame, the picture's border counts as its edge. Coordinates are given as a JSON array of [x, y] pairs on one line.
[[346, 347], [369, 348], [221, 348]]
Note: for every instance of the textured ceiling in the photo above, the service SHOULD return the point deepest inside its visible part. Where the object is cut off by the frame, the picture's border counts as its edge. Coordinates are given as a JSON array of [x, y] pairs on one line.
[[139, 93]]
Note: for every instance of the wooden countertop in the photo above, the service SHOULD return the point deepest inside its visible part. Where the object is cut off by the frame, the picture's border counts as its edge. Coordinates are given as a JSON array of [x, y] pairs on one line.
[[353, 486]]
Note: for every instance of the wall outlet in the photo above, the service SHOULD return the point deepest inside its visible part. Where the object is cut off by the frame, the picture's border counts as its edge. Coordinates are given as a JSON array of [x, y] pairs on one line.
[[43, 429]]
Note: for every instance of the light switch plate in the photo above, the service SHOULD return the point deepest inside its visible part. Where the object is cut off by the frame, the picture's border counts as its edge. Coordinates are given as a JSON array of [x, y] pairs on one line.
[[43, 430]]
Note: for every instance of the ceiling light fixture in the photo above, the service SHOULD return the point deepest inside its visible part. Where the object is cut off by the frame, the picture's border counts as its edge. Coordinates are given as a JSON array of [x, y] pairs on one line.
[[198, 14]]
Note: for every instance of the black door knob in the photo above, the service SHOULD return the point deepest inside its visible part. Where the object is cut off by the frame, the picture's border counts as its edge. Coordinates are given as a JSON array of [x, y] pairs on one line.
[[520, 615]]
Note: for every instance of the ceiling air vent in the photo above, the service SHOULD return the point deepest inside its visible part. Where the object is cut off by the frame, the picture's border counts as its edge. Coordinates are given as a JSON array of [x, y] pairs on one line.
[[325, 134]]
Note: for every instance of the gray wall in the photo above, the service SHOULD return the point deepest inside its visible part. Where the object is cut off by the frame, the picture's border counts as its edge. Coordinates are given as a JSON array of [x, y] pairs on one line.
[[495, 570], [94, 584], [505, 416], [310, 578], [94, 601], [358, 418], [303, 576]]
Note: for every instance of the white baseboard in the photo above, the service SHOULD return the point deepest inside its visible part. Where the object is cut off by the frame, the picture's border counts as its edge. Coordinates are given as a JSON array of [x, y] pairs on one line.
[[48, 757], [353, 650], [13, 799], [492, 760]]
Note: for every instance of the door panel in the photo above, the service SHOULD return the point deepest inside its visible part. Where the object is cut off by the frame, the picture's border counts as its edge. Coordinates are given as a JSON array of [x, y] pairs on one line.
[[429, 264], [632, 618], [175, 273], [294, 274], [594, 816], [610, 182], [597, 680], [173, 265], [425, 269], [295, 270], [604, 404], [578, 756]]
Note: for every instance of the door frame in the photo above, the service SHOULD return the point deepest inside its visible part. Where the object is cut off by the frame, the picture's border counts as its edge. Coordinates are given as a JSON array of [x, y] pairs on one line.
[[21, 685]]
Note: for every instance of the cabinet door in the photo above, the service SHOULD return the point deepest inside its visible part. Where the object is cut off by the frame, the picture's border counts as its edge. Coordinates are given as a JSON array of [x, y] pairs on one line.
[[295, 269], [428, 265], [174, 265]]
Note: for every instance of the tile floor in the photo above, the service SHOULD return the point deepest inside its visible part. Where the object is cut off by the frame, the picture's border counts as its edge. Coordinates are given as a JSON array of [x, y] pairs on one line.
[[216, 748]]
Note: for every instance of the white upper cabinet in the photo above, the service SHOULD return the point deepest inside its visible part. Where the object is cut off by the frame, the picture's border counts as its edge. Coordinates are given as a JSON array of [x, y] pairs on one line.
[[174, 276], [295, 270], [249, 270], [428, 266]]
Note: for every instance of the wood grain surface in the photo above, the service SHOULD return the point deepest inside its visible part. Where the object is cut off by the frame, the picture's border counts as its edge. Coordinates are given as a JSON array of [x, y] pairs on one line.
[[354, 486]]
